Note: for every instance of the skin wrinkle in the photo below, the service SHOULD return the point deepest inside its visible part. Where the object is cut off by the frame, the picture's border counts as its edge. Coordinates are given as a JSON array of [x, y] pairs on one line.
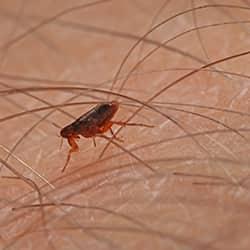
[[135, 156], [172, 84], [158, 143], [171, 118], [205, 206], [129, 36]]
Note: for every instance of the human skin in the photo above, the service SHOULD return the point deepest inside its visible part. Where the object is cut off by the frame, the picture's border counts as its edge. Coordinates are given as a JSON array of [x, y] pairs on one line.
[[197, 197]]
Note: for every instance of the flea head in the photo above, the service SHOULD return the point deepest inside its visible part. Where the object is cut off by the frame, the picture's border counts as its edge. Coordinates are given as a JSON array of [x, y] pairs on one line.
[[67, 131]]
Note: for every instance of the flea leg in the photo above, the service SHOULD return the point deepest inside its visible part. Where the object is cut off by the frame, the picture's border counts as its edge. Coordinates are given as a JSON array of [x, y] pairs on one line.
[[123, 124], [94, 141], [107, 127], [115, 137], [74, 148]]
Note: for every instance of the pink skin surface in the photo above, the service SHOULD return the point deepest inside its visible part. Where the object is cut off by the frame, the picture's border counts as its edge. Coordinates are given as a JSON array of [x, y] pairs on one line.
[[198, 198]]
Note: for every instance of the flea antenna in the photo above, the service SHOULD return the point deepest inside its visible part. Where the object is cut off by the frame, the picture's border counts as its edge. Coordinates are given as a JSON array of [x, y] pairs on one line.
[[61, 143]]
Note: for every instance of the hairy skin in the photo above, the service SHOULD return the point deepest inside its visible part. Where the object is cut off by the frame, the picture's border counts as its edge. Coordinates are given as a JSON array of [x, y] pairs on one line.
[[197, 197]]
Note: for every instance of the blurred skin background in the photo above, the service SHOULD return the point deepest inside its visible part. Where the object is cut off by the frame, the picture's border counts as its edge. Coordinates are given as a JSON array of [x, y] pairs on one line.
[[199, 196]]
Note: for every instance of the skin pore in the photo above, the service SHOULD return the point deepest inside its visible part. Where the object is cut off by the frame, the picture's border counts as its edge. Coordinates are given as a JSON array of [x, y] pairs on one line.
[[181, 66]]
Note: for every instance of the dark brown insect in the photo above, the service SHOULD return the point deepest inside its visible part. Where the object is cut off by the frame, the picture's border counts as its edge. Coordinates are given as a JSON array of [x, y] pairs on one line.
[[94, 122]]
